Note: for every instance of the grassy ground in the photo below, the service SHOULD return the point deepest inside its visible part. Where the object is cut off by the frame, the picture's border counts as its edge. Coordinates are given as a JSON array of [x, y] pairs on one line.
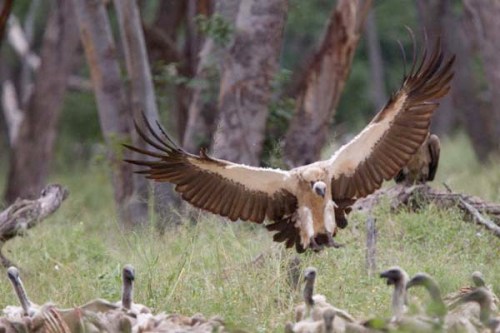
[[76, 255]]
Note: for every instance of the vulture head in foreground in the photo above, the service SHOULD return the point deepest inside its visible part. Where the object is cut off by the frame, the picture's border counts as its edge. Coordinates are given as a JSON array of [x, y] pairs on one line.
[[305, 205]]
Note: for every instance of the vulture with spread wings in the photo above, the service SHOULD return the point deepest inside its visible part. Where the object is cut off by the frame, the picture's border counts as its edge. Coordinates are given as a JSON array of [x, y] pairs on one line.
[[306, 205]]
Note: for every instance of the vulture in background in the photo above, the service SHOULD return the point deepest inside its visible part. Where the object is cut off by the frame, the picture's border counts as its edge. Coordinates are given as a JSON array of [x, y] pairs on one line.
[[422, 167], [306, 205]]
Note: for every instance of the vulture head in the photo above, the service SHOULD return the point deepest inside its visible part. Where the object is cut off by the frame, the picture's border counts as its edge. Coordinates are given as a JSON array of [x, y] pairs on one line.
[[310, 274], [395, 276], [128, 276], [315, 178], [128, 273], [478, 279], [13, 275]]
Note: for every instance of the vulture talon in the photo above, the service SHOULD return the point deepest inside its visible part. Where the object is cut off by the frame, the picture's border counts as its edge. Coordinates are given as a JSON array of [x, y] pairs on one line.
[[314, 246], [332, 242]]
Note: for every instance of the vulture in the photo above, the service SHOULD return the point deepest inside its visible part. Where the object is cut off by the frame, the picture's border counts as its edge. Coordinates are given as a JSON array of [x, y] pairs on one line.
[[483, 297], [422, 167], [128, 278], [306, 205], [397, 277], [27, 307]]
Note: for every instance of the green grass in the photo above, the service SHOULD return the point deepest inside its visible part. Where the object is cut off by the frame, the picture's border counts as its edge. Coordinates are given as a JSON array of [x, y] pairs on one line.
[[76, 255]]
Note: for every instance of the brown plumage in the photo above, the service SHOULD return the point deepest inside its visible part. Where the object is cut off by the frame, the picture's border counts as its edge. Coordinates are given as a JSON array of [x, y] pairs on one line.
[[308, 203], [422, 167]]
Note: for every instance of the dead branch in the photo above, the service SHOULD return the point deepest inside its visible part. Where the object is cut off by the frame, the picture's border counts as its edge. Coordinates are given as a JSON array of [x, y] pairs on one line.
[[475, 209], [25, 214]]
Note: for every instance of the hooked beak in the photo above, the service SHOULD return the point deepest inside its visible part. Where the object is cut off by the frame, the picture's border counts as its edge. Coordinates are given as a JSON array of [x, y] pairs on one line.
[[320, 188]]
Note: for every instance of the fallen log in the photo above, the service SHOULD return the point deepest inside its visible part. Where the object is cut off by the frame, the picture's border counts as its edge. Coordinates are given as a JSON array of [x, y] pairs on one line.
[[414, 197], [25, 214]]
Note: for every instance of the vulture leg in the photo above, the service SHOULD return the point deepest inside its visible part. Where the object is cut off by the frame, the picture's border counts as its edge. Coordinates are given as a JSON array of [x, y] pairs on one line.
[[314, 246], [332, 242]]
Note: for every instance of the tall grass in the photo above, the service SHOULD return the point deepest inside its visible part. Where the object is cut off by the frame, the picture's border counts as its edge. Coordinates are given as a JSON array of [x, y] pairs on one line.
[[234, 269]]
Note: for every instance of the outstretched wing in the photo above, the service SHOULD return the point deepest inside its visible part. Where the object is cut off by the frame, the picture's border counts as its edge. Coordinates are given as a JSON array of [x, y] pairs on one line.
[[395, 134], [221, 187]]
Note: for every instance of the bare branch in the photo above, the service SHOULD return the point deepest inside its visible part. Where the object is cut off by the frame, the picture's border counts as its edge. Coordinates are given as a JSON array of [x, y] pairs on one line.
[[26, 214]]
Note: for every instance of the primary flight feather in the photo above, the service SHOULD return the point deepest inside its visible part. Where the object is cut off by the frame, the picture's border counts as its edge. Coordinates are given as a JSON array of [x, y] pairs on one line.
[[307, 204]]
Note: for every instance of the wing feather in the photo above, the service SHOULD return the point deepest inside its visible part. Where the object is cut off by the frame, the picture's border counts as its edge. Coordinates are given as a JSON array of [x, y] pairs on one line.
[[396, 132], [221, 187]]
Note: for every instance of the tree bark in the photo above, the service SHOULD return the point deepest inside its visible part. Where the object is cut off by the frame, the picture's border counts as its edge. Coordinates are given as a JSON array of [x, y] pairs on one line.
[[377, 80], [245, 90], [142, 97], [33, 150], [484, 15], [435, 18], [143, 100], [101, 54], [323, 83], [202, 113], [473, 113], [4, 16]]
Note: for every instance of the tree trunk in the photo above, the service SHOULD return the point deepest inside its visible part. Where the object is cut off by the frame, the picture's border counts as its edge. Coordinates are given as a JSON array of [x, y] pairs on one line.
[[435, 18], [203, 111], [245, 90], [102, 59], [33, 150], [4, 16], [169, 17], [323, 83], [377, 81], [473, 113], [143, 100], [485, 16]]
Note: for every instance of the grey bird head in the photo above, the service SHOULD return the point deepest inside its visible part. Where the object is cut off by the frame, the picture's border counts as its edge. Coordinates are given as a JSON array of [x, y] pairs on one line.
[[478, 279], [13, 274], [309, 273], [394, 275], [128, 273], [319, 188]]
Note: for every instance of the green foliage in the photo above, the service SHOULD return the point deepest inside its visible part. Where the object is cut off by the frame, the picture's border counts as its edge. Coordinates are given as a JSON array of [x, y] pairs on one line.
[[212, 266], [215, 27]]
